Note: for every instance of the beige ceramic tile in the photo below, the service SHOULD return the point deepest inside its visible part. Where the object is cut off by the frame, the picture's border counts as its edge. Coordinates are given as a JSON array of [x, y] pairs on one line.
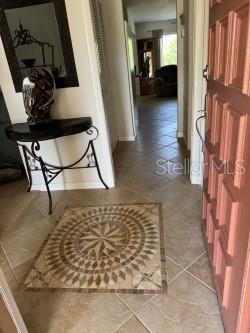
[[189, 290], [127, 157], [184, 241], [42, 202], [135, 302], [146, 147], [24, 244], [172, 271], [30, 215], [170, 171], [122, 194], [72, 312], [22, 270], [164, 154], [189, 307], [145, 183], [11, 208], [5, 267], [7, 270], [176, 195], [201, 270], [193, 213], [166, 140], [133, 325], [76, 198]]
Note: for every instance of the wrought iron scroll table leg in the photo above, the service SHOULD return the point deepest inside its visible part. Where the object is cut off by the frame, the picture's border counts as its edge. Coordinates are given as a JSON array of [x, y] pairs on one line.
[[46, 184], [27, 167], [97, 165]]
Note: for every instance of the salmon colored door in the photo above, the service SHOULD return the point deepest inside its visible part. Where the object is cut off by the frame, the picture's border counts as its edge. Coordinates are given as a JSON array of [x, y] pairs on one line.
[[226, 196]]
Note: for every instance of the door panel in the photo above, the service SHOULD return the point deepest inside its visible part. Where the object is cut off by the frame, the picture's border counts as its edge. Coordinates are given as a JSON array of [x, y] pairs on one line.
[[227, 213], [209, 114], [239, 38], [223, 272], [235, 143], [212, 48], [225, 31], [226, 197]]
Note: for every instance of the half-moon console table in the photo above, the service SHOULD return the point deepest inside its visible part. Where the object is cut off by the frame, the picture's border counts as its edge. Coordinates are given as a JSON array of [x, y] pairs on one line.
[[22, 133]]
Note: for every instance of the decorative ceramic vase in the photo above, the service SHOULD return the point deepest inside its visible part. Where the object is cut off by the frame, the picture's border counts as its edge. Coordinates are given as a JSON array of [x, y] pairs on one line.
[[38, 96]]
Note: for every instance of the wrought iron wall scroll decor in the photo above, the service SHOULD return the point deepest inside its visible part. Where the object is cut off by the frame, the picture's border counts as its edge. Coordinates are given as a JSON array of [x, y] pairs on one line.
[[19, 9]]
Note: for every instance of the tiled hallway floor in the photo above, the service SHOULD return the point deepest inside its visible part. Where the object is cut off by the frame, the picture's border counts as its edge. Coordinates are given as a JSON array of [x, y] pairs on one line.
[[190, 305]]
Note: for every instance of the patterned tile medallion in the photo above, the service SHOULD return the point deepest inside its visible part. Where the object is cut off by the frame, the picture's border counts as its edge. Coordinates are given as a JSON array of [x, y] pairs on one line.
[[97, 249]]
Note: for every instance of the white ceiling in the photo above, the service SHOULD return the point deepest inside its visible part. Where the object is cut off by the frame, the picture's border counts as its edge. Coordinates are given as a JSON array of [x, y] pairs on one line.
[[151, 10]]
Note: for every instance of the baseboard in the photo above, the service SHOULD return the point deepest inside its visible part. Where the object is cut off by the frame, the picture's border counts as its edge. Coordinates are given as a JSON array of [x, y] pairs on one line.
[[196, 179], [68, 186], [180, 134], [127, 138]]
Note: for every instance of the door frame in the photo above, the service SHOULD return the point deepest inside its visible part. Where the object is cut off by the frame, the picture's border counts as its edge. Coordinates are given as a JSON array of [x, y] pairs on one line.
[[128, 34], [244, 315], [181, 72], [198, 59]]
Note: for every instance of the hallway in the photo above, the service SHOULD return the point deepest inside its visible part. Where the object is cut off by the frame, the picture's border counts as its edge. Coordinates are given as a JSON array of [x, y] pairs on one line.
[[190, 304]]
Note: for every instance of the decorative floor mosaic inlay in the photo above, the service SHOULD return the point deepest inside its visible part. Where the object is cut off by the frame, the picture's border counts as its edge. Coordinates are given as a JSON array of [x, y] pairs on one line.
[[113, 248]]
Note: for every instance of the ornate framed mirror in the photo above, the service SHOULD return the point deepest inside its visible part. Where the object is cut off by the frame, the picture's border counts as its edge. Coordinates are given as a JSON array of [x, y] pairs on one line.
[[35, 34]]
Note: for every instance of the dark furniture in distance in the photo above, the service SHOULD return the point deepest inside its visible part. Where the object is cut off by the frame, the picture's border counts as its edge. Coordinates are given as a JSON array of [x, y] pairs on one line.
[[146, 86], [22, 133], [165, 81], [145, 51]]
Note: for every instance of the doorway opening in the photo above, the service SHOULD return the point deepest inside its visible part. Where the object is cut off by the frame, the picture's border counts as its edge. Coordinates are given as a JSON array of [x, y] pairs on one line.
[[153, 63]]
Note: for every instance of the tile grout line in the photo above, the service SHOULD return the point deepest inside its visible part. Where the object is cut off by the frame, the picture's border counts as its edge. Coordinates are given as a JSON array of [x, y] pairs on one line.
[[124, 323], [180, 273], [143, 324], [130, 308], [196, 278], [185, 270], [9, 263], [203, 283], [174, 278], [134, 313], [174, 262], [189, 265], [150, 199], [194, 261]]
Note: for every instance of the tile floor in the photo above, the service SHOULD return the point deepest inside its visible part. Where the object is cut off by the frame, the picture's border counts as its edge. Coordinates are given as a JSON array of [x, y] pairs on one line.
[[107, 248], [190, 305]]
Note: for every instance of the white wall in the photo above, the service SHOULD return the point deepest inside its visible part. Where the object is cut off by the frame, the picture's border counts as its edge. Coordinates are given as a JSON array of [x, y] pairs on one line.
[[119, 74], [144, 30], [85, 100]]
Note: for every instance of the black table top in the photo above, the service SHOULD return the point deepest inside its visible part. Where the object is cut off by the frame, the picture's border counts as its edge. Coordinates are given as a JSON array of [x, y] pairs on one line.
[[55, 129]]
